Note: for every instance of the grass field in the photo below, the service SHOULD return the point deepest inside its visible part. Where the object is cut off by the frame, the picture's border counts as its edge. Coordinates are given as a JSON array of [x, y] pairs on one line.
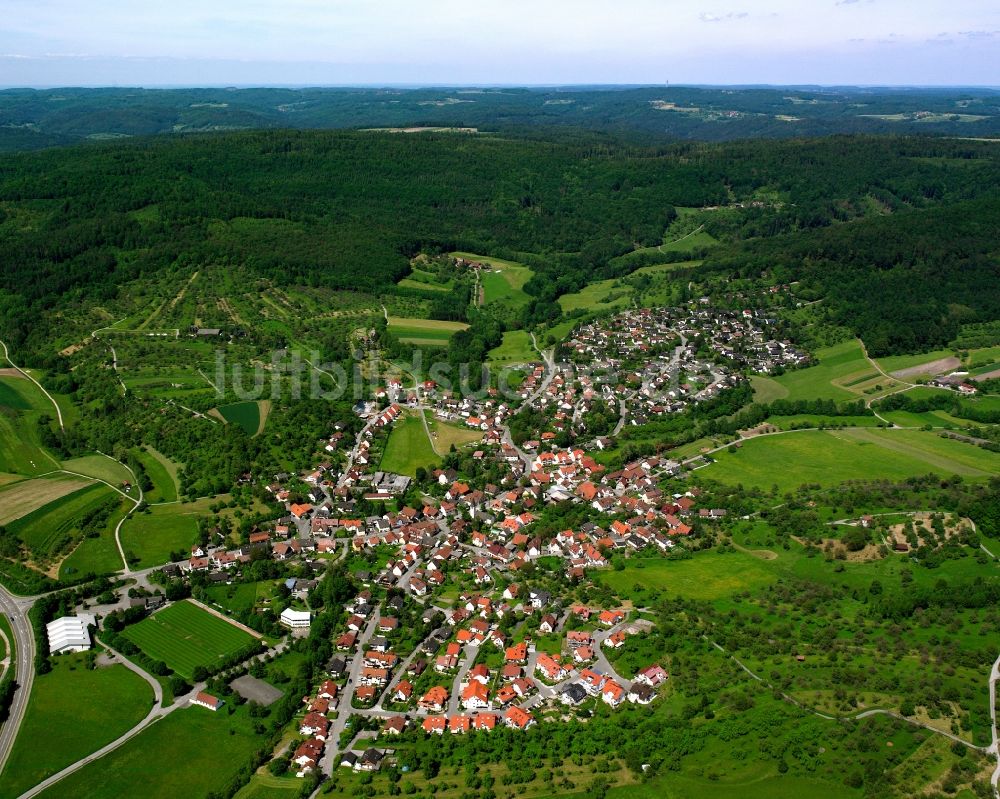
[[515, 348], [21, 405], [244, 414], [423, 331], [166, 528], [49, 529], [184, 636], [21, 498], [101, 467], [408, 448], [504, 285], [162, 472], [241, 596], [895, 362], [267, 786], [96, 555], [192, 752], [766, 389], [830, 457], [599, 296], [73, 711], [445, 435], [705, 576], [843, 373]]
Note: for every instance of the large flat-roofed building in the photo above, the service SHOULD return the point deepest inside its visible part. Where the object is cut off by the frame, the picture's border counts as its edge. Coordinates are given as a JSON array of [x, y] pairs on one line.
[[295, 618], [69, 634]]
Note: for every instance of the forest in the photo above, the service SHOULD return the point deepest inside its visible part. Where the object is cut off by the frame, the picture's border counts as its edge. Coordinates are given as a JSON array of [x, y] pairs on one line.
[[40, 118], [346, 210]]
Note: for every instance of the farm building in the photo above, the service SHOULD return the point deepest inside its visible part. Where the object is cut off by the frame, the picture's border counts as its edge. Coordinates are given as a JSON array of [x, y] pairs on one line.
[[70, 633]]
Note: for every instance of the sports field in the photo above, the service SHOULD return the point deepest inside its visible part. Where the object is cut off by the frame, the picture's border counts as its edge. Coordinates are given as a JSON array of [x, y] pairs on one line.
[[827, 457], [184, 636]]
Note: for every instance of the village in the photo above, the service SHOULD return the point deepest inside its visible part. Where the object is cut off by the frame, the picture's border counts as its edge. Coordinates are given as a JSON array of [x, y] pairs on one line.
[[468, 618], [494, 647]]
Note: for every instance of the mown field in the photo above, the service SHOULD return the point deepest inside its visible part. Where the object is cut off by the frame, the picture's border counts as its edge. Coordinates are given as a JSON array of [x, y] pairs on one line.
[[152, 536], [842, 373], [73, 711], [516, 347], [267, 786], [445, 435], [700, 577], [162, 473], [604, 295], [505, 283], [101, 467], [23, 497], [192, 752], [96, 555], [430, 332], [244, 414], [49, 529], [828, 457], [184, 636], [408, 448], [21, 406]]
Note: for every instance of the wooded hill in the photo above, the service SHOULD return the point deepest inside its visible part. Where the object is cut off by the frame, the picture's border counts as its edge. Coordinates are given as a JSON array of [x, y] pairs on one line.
[[347, 210]]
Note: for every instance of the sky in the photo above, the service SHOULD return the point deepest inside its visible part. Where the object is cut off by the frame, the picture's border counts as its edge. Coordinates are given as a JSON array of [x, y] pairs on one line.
[[522, 42]]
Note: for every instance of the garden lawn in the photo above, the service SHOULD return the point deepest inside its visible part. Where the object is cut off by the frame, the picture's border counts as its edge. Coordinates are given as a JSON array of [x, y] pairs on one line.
[[73, 711], [192, 752], [184, 636], [828, 457], [408, 448]]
